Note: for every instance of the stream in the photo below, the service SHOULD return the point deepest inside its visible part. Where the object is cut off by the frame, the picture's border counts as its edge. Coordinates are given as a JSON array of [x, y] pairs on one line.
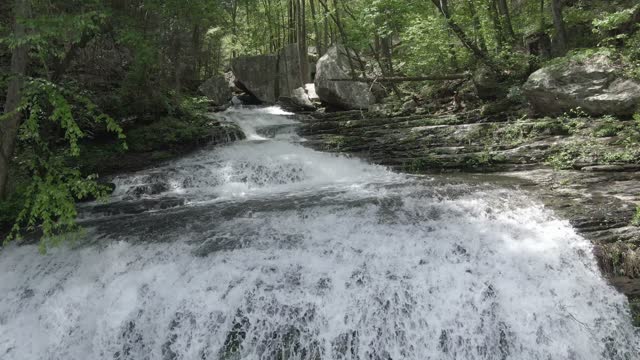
[[266, 249]]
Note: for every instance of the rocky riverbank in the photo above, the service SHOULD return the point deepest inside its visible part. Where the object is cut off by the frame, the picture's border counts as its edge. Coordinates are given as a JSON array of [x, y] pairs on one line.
[[583, 168]]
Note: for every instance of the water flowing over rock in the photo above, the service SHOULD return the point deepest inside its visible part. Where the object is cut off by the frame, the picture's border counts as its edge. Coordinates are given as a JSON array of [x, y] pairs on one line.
[[217, 90], [343, 94], [594, 85], [266, 249]]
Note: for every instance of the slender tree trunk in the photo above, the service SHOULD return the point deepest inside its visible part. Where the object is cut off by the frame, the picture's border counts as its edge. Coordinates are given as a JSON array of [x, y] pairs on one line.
[[478, 37], [506, 16], [497, 26], [292, 21], [234, 24], [9, 127], [327, 31], [304, 58], [542, 25], [316, 30], [558, 23]]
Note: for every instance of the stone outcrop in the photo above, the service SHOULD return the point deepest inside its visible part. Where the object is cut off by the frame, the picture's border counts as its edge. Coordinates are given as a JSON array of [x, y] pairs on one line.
[[217, 90], [257, 76], [269, 77], [342, 94], [486, 83], [289, 71], [298, 100], [594, 85]]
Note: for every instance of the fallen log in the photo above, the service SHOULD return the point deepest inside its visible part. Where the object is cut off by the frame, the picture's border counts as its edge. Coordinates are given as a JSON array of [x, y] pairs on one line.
[[403, 79]]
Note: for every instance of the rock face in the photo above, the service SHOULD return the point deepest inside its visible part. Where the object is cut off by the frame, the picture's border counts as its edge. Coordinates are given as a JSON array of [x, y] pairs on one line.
[[343, 94], [217, 90], [289, 70], [269, 77], [297, 100], [257, 76], [311, 92], [486, 84], [593, 85]]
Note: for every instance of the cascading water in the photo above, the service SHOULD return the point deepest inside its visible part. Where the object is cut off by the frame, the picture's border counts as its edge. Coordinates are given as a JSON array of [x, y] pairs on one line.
[[268, 250]]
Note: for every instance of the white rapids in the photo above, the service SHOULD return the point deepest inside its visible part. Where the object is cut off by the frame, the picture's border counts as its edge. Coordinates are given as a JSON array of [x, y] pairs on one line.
[[265, 249]]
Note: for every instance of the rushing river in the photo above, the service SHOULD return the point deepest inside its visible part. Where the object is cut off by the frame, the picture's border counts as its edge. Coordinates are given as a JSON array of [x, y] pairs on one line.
[[265, 249]]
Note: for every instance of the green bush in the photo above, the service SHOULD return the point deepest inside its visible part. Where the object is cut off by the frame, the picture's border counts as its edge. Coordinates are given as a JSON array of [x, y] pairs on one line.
[[610, 127], [167, 133]]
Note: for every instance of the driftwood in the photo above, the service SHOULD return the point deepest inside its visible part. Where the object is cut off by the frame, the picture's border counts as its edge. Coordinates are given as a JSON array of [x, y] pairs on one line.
[[403, 79]]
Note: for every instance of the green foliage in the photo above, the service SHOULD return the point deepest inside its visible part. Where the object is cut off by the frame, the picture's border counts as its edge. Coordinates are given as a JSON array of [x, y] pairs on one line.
[[194, 105], [427, 49], [48, 200], [614, 20], [636, 218], [168, 132], [580, 56], [583, 151], [428, 163], [634, 305], [609, 127]]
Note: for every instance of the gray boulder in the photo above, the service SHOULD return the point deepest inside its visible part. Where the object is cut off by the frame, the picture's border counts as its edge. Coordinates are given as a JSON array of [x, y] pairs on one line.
[[486, 83], [269, 77], [311, 92], [231, 79], [594, 85], [289, 70], [297, 100], [344, 94], [257, 76], [217, 90]]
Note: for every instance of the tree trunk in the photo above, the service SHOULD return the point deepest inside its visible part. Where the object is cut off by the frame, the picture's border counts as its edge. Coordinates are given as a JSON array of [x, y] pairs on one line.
[[397, 79], [9, 126], [542, 25], [558, 24], [302, 43], [326, 32], [292, 22], [497, 26], [478, 37], [316, 30], [234, 25], [506, 16]]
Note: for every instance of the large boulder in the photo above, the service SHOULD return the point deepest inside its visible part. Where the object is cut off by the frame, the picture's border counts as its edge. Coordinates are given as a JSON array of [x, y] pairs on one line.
[[594, 85], [217, 90], [486, 83], [289, 72], [257, 76], [297, 100], [344, 94], [310, 89], [269, 77]]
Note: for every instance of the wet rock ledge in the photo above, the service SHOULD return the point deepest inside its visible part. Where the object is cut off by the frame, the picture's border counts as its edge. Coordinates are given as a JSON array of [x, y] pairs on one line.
[[586, 169]]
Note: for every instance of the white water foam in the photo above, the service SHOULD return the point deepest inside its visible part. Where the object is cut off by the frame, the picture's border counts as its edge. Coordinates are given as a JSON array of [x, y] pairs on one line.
[[388, 269]]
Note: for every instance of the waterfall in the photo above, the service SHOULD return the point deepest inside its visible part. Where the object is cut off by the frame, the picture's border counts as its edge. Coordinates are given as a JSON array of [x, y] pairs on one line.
[[265, 249]]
